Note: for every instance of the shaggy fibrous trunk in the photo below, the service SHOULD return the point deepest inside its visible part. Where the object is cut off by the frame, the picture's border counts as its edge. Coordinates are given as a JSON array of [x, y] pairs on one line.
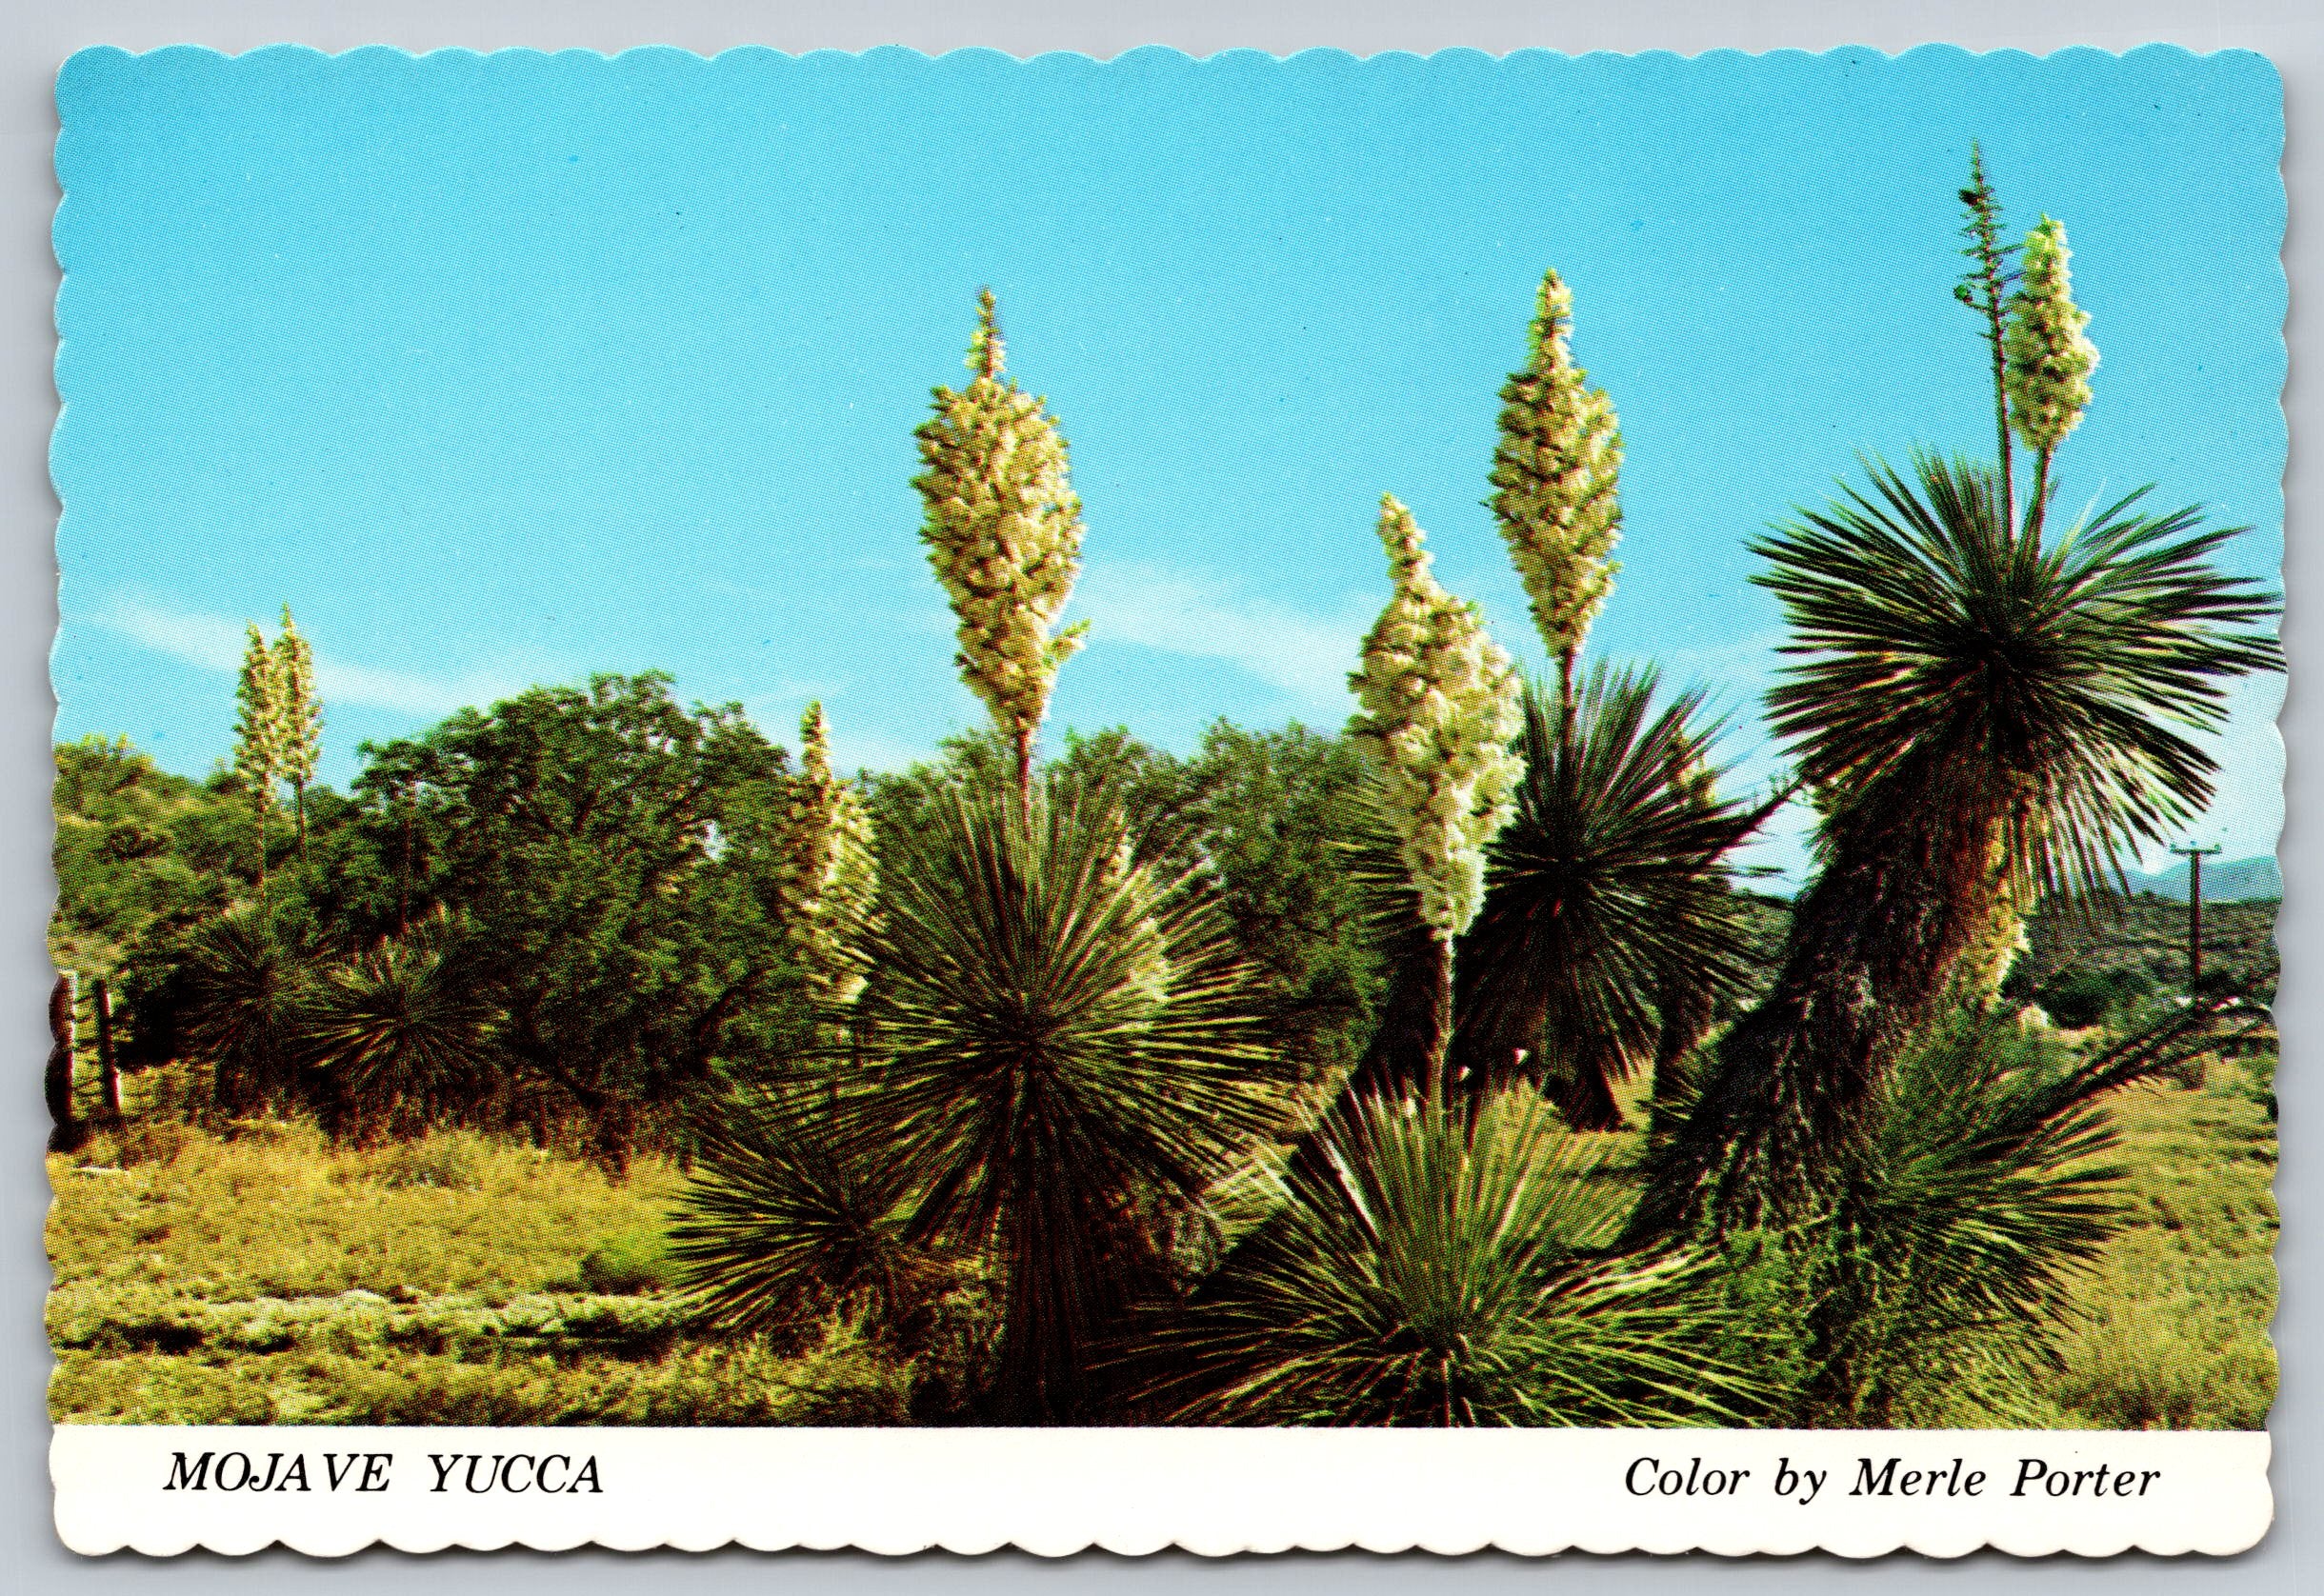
[[1494, 1045], [1687, 1012], [1872, 940], [1407, 1016], [1584, 1092]]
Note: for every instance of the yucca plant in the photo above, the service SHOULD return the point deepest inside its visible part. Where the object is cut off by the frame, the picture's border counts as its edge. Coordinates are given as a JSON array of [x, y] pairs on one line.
[[1436, 1266], [1057, 1052], [1607, 898], [1939, 1281], [786, 1224], [399, 1037], [1964, 694], [245, 979]]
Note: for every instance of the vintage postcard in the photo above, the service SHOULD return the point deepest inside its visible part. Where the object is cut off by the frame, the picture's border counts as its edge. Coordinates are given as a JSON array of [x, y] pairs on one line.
[[883, 801]]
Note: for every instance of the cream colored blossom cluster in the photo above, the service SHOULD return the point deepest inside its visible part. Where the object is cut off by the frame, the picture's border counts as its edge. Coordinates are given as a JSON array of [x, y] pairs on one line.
[[299, 712], [826, 876], [1439, 708], [2049, 359], [259, 728], [1556, 477], [1003, 532], [278, 725]]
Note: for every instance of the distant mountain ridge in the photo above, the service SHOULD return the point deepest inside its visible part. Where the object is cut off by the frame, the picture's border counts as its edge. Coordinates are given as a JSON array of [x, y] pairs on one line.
[[2227, 880]]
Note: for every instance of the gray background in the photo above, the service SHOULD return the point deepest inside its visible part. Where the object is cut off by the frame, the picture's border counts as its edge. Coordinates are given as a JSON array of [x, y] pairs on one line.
[[37, 37]]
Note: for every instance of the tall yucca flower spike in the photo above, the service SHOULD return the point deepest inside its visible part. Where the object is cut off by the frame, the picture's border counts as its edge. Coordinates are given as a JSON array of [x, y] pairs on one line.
[[827, 876], [258, 735], [300, 715], [2050, 361], [1004, 536], [1985, 289], [1556, 484], [1439, 708]]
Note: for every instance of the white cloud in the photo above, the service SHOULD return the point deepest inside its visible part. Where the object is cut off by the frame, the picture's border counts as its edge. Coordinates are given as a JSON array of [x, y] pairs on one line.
[[215, 642], [1303, 656]]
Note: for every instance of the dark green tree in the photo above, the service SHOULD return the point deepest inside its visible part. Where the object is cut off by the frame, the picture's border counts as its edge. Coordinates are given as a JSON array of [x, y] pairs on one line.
[[613, 857]]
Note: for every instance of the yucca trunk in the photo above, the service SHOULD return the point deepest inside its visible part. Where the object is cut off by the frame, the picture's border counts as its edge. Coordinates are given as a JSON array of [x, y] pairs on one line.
[[1499, 1046], [1686, 1010], [1584, 1093], [1405, 1017], [1906, 887]]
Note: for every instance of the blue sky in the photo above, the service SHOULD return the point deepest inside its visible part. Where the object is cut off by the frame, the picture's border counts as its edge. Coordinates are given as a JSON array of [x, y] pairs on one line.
[[508, 368]]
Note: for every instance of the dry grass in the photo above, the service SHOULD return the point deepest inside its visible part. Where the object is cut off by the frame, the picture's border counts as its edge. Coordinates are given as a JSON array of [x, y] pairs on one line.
[[2174, 1334], [269, 1277], [265, 1276]]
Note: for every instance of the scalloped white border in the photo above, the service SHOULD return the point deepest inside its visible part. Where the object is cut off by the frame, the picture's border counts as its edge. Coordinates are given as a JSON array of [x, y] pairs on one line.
[[1129, 1491], [1136, 1491]]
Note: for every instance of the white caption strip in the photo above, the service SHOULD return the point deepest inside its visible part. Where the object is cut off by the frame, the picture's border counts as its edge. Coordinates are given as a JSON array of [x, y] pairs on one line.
[[163, 1489]]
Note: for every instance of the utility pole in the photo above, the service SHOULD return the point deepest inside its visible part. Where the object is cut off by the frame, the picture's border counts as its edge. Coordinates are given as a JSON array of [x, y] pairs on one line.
[[2195, 857]]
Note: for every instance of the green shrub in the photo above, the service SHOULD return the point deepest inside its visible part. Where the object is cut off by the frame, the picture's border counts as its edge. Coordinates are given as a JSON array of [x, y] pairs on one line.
[[628, 1263], [2087, 997]]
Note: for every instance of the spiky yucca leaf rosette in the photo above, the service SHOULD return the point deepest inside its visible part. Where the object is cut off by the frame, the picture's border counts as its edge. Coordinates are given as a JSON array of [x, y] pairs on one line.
[[1606, 893], [1057, 1054], [1939, 1283], [786, 1224], [1959, 692], [399, 1037], [1432, 1267], [244, 983]]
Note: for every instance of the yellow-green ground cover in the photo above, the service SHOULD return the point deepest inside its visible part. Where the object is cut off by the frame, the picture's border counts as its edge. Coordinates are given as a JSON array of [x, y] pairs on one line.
[[2175, 1328], [270, 1278], [265, 1276]]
